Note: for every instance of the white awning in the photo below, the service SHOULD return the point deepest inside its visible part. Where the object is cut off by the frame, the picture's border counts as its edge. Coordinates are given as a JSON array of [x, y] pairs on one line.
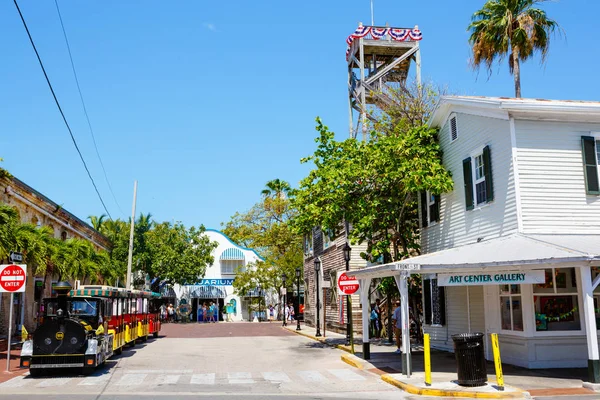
[[513, 252]]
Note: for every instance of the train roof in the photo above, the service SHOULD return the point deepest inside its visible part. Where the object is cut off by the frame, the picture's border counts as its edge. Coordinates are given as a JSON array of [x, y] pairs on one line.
[[109, 291]]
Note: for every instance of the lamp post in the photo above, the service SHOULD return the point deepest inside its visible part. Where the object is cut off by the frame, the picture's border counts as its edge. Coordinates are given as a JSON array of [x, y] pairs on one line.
[[349, 340], [298, 299], [283, 279], [317, 269]]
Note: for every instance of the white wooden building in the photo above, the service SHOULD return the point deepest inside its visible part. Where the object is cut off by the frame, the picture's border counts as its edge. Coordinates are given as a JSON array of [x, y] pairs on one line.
[[514, 249]]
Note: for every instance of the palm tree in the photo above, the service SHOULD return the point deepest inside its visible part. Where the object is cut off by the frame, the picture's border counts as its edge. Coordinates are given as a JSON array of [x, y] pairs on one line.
[[9, 219], [510, 27], [97, 222], [276, 188]]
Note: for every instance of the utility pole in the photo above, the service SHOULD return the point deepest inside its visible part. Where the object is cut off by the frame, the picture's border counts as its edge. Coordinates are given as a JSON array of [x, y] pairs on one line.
[[130, 256]]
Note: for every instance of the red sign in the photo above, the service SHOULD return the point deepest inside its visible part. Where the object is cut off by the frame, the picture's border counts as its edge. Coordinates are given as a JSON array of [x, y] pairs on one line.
[[12, 278], [347, 284]]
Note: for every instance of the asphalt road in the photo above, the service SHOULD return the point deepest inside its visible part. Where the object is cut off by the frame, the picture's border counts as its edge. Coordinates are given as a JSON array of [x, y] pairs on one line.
[[216, 361]]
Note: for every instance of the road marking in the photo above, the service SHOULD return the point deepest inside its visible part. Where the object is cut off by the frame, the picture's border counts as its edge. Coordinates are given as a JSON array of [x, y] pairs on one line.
[[17, 382], [160, 371], [346, 375], [276, 376], [311, 376], [131, 379], [53, 382], [203, 379], [239, 377], [167, 379], [94, 380]]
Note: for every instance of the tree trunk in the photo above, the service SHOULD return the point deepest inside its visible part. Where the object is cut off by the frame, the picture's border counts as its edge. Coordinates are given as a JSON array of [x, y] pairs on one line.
[[517, 73]]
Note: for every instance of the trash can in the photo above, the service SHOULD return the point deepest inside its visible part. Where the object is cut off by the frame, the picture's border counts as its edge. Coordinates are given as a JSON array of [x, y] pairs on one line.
[[470, 359]]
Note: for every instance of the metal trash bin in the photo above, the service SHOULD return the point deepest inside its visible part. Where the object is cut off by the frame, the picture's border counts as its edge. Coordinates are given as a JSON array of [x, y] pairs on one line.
[[470, 359]]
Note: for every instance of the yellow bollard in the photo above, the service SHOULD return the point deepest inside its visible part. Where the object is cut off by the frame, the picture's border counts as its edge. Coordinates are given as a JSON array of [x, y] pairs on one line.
[[427, 359], [497, 362]]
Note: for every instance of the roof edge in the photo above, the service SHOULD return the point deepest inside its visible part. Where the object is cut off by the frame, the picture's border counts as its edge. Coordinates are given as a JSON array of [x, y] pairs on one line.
[[234, 243]]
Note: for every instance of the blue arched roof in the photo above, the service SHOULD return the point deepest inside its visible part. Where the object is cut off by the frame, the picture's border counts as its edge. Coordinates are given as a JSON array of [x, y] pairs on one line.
[[235, 244]]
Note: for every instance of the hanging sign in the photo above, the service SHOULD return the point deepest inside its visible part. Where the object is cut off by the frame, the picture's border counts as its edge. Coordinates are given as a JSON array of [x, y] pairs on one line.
[[499, 278], [215, 282], [12, 278]]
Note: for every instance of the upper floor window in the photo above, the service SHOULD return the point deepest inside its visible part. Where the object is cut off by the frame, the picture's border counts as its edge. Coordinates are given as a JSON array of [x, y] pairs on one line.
[[308, 244], [63, 235], [328, 237], [591, 161], [430, 208], [228, 267], [477, 173]]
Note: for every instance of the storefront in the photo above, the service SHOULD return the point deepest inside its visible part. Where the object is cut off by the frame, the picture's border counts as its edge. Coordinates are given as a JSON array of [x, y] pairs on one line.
[[540, 294]]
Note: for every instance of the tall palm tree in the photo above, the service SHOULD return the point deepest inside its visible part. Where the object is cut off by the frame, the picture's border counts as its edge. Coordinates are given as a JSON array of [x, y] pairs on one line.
[[97, 222], [510, 27], [276, 188], [9, 219]]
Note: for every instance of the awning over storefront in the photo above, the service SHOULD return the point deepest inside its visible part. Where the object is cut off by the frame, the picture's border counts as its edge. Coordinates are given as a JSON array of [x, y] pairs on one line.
[[207, 292], [514, 252], [232, 253]]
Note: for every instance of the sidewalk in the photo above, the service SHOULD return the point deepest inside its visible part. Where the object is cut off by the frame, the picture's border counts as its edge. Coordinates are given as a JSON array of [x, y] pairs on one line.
[[521, 381]]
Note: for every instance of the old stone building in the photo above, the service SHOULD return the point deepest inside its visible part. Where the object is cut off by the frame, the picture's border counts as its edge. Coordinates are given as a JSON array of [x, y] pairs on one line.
[[35, 208], [320, 244]]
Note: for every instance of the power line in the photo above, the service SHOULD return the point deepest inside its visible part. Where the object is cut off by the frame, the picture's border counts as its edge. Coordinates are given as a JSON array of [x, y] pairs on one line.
[[60, 108], [85, 108]]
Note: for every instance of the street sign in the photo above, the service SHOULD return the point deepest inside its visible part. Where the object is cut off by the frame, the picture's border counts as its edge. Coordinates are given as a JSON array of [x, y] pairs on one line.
[[15, 257], [12, 278], [347, 284]]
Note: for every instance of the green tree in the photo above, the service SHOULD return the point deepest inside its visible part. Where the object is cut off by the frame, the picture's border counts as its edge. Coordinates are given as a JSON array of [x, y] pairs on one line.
[[510, 27], [177, 254], [97, 222]]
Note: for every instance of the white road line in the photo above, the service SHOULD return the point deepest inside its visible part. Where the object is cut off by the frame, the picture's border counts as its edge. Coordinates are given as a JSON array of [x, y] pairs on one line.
[[239, 377], [94, 380], [346, 375], [167, 379], [203, 379], [19, 381], [160, 371], [53, 382], [131, 379], [276, 377], [311, 376]]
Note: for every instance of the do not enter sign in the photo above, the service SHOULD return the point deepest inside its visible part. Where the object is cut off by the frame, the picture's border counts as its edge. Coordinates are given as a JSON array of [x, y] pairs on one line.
[[347, 284], [12, 278]]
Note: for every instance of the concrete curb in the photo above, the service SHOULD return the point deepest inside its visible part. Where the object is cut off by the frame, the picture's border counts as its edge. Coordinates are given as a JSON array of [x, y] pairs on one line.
[[354, 361], [319, 339], [518, 394]]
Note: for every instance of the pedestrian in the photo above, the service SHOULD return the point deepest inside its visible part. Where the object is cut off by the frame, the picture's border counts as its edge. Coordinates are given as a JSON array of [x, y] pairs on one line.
[[373, 318], [379, 320], [170, 312], [199, 313], [211, 312], [271, 312], [163, 312], [396, 319], [204, 313], [291, 312]]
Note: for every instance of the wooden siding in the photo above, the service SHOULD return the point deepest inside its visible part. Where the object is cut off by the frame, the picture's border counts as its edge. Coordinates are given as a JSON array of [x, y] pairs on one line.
[[552, 185], [457, 226]]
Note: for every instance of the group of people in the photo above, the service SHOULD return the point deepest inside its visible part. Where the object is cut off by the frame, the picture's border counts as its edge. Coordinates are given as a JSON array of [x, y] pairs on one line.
[[167, 313], [376, 322], [208, 313], [288, 311]]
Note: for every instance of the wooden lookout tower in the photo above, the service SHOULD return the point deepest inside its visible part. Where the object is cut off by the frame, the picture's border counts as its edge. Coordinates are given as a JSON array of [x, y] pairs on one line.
[[379, 59]]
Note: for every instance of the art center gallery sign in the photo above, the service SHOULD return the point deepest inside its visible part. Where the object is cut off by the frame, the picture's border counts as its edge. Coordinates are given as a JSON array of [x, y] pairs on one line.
[[500, 278]]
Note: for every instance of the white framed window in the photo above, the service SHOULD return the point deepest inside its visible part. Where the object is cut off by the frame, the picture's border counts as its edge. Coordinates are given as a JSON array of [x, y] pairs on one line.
[[328, 237], [228, 267], [556, 302], [477, 175], [308, 244], [453, 128], [590, 151], [511, 308], [430, 208]]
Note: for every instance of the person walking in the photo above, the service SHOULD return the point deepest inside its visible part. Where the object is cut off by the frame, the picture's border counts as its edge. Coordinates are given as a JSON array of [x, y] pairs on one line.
[[204, 313], [211, 312], [271, 312], [292, 312], [373, 317], [397, 320], [379, 320], [170, 312]]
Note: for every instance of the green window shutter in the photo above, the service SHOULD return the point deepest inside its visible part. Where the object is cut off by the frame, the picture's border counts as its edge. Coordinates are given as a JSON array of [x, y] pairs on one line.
[[427, 300], [424, 209], [487, 170], [590, 165], [437, 208], [468, 177]]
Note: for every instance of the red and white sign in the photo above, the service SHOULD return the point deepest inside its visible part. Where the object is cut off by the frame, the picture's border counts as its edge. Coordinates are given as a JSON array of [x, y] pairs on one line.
[[13, 278], [347, 284]]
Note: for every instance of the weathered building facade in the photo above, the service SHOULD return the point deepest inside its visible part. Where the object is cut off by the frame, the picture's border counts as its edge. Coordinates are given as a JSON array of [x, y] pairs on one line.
[[37, 209]]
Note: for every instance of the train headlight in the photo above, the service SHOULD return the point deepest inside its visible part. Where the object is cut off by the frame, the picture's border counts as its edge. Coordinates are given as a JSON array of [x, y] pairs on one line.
[[48, 341], [27, 348], [73, 340]]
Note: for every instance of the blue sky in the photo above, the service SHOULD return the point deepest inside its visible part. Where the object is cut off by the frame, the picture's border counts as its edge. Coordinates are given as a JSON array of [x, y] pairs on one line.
[[204, 102]]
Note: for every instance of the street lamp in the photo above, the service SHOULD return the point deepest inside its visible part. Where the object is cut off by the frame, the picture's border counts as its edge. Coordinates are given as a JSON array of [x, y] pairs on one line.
[[317, 269], [298, 299], [283, 279], [347, 249]]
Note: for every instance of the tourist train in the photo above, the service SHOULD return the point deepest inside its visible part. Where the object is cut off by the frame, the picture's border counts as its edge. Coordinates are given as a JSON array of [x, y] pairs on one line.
[[82, 328]]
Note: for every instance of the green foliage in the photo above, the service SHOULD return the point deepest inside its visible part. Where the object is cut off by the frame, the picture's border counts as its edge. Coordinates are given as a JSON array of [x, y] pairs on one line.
[[510, 27], [266, 228]]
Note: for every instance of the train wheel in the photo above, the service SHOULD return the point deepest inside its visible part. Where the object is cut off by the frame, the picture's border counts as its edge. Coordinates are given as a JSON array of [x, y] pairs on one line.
[[36, 373], [88, 370], [155, 334], [132, 343], [145, 338], [119, 351]]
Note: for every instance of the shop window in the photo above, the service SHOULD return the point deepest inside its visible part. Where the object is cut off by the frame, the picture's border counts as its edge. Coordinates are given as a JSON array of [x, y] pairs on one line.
[[434, 301], [556, 301], [511, 307]]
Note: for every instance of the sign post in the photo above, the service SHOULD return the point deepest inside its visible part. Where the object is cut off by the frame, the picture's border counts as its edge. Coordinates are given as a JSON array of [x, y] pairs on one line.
[[12, 279], [348, 285]]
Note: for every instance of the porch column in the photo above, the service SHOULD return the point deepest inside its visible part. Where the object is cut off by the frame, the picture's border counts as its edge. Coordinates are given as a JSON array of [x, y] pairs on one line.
[[401, 281], [590, 324], [366, 313]]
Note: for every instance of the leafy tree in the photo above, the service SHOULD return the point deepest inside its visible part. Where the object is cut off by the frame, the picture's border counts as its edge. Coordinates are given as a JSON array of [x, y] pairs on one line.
[[177, 254], [510, 27], [97, 222]]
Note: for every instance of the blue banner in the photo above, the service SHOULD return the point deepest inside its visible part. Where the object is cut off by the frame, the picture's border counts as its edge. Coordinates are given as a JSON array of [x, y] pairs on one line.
[[215, 282]]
